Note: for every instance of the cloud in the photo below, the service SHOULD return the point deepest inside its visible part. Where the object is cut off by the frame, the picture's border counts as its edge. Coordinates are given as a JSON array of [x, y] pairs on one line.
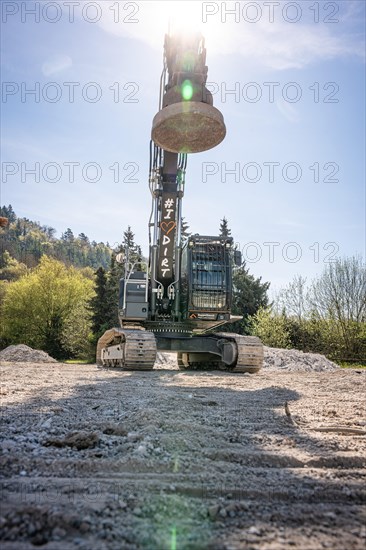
[[278, 45], [56, 64]]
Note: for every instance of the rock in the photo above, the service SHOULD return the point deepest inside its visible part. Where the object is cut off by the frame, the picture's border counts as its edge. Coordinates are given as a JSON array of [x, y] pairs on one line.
[[213, 511], [39, 539], [31, 529], [58, 533], [84, 527], [7, 444], [77, 440], [3, 522], [47, 424], [133, 436], [24, 354], [115, 429]]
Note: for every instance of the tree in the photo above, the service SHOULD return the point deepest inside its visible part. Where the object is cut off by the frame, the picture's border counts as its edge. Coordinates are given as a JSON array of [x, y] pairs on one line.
[[84, 239], [272, 329], [339, 295], [50, 232], [249, 294], [100, 308], [40, 308], [134, 260], [8, 212], [68, 236], [131, 250], [294, 298], [340, 292], [224, 228], [11, 269], [112, 294]]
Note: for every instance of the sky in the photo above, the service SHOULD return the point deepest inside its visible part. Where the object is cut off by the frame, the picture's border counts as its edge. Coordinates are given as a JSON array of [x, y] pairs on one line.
[[80, 87]]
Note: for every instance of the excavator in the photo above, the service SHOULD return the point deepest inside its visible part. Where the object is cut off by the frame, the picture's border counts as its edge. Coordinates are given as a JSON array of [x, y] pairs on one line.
[[185, 294]]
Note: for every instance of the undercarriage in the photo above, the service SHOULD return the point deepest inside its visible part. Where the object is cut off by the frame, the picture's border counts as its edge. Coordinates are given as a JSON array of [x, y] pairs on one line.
[[136, 349]]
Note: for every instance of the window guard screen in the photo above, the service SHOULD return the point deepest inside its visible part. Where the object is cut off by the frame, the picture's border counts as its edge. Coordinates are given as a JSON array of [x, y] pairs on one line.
[[209, 276]]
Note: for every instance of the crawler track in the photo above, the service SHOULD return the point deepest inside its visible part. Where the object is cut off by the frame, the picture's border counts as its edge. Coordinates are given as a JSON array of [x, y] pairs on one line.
[[249, 356], [136, 349], [250, 352]]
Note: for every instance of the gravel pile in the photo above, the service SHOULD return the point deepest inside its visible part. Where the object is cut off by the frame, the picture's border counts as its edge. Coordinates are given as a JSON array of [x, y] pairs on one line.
[[295, 360], [274, 359], [24, 354]]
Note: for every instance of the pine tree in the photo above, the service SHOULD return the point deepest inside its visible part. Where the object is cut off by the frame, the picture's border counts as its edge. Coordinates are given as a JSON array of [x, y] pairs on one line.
[[138, 264], [68, 236], [99, 304], [84, 239], [128, 238], [249, 293], [117, 271], [132, 251], [68, 239], [8, 212], [224, 228], [114, 276]]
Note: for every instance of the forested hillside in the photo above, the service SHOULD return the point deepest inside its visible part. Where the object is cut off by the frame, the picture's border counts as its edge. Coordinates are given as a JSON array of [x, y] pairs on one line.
[[27, 241], [58, 294]]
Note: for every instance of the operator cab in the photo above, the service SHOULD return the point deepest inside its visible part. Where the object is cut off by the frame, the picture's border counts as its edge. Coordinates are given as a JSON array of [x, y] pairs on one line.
[[207, 277]]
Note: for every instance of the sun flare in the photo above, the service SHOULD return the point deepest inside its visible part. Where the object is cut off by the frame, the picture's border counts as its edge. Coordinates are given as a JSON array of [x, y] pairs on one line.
[[188, 17]]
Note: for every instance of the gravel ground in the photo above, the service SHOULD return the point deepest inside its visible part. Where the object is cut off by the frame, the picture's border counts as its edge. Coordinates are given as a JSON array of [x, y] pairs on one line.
[[101, 459]]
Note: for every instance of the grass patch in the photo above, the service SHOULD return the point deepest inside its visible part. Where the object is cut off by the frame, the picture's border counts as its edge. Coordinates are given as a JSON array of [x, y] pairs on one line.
[[348, 365], [79, 362]]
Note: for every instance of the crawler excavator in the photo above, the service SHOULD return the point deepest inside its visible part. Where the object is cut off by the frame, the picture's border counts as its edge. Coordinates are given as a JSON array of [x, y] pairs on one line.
[[179, 302]]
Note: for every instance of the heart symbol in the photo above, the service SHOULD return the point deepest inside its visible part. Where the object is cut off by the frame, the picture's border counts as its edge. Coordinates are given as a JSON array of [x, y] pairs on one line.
[[167, 227]]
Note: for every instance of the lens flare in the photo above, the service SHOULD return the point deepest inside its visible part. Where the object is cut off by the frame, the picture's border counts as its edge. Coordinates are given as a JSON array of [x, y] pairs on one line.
[[173, 544], [187, 90]]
